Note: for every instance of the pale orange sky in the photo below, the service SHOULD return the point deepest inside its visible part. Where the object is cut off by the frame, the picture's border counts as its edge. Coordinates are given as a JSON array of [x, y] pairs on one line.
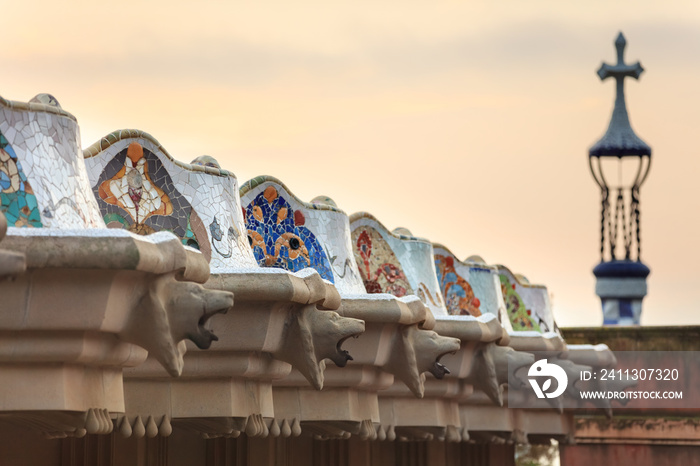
[[468, 123]]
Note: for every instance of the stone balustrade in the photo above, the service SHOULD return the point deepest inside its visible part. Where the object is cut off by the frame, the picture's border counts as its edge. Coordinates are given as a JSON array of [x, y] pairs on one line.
[[471, 285], [400, 263], [85, 301], [281, 320], [397, 346], [119, 269]]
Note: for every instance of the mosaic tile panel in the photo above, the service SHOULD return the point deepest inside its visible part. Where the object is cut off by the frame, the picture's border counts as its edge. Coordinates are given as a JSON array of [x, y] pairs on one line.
[[380, 269], [520, 316], [279, 237], [457, 292], [329, 225], [412, 259], [44, 181], [135, 192], [483, 280], [527, 305], [17, 199], [141, 188]]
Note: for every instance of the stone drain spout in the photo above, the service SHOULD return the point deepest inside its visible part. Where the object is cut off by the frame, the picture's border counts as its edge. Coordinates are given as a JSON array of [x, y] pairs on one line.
[[425, 349], [176, 311], [314, 336]]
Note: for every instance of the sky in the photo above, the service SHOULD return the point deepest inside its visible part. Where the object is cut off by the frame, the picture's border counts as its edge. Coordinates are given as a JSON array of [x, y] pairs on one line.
[[468, 123]]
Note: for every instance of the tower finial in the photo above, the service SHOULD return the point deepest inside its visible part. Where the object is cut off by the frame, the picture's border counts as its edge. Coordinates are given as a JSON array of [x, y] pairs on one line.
[[620, 139], [620, 283]]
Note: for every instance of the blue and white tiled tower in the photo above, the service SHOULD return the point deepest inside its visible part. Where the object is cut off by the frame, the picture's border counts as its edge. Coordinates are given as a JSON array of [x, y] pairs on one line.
[[620, 281]]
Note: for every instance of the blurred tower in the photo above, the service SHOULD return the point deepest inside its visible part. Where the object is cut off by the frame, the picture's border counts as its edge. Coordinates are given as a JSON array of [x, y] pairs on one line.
[[620, 163]]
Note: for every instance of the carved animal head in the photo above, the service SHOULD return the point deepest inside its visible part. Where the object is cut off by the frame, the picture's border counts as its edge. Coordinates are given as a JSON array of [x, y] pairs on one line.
[[416, 351], [312, 336], [170, 311], [488, 360], [430, 347], [573, 373], [332, 331], [512, 365]]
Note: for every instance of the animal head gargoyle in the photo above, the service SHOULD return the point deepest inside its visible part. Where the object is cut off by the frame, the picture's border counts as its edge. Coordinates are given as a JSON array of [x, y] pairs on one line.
[[415, 351], [512, 365], [573, 372], [484, 373], [170, 311], [313, 335]]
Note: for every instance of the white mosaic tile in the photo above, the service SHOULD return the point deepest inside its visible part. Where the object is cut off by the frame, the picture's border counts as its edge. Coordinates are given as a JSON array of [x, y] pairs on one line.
[[54, 191]]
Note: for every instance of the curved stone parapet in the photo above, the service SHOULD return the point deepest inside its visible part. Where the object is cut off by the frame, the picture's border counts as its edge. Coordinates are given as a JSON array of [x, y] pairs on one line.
[[282, 319], [200, 203], [43, 180], [482, 283], [401, 260], [471, 288], [140, 187], [398, 345], [289, 233], [306, 279], [525, 311], [85, 301], [395, 263]]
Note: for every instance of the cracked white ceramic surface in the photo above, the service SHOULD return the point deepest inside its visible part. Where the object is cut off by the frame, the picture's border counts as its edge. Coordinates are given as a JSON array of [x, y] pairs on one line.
[[48, 147], [214, 198]]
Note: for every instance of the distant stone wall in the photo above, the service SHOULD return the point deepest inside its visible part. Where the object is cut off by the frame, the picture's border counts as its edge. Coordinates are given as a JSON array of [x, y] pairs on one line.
[[643, 438], [681, 338]]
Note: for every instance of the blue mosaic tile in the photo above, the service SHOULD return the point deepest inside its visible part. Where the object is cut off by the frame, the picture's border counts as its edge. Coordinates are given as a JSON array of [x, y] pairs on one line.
[[279, 239]]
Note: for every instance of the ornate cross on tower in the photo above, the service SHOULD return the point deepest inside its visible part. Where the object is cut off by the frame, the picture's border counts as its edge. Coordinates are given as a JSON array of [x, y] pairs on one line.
[[620, 140], [621, 284]]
